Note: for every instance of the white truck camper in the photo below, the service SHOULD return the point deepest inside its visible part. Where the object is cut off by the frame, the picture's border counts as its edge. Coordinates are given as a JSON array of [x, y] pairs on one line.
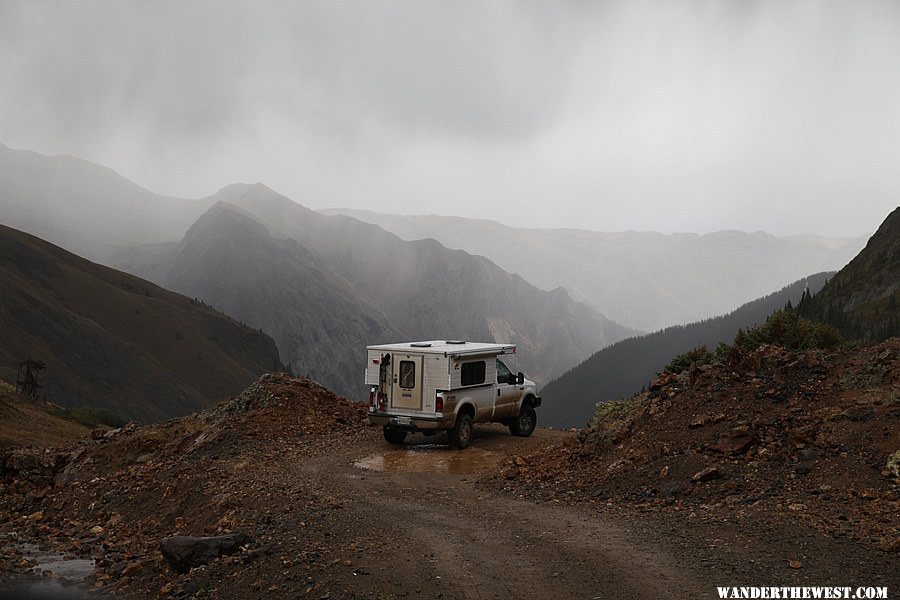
[[438, 386]]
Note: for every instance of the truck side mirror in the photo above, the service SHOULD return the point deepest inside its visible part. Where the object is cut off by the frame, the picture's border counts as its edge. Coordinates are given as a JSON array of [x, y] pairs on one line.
[[520, 378]]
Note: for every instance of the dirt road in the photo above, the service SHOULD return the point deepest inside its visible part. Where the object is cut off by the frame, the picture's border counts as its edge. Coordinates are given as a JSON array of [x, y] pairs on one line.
[[445, 535], [433, 525], [343, 515]]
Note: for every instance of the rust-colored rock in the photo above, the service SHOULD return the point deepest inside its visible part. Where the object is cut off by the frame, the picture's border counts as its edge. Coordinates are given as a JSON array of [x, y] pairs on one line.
[[734, 444], [707, 474]]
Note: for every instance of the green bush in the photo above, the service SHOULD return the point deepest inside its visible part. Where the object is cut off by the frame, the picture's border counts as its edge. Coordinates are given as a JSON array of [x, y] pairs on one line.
[[603, 410], [698, 356], [789, 330], [783, 328], [91, 417]]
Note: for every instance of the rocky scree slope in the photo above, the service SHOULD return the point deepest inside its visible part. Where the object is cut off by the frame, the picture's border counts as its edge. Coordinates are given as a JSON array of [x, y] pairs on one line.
[[116, 497], [776, 436]]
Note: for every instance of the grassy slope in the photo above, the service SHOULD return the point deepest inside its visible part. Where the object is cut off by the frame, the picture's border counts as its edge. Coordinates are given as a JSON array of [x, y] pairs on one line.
[[25, 422], [114, 341]]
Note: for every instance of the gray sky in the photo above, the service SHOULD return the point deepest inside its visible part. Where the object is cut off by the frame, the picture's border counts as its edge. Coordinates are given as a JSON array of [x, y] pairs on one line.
[[670, 116]]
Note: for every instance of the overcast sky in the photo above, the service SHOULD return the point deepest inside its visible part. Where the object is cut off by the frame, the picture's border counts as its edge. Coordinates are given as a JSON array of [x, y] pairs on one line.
[[782, 116]]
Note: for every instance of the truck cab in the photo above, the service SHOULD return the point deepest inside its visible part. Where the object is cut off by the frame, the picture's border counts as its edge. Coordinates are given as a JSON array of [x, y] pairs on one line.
[[448, 385]]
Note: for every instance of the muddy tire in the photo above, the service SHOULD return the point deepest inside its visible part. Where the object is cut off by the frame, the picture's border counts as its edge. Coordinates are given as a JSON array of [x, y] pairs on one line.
[[462, 433], [394, 436], [524, 424]]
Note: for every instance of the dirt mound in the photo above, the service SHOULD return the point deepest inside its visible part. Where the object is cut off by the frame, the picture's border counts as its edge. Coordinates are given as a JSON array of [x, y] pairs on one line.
[[116, 496], [278, 404], [780, 435]]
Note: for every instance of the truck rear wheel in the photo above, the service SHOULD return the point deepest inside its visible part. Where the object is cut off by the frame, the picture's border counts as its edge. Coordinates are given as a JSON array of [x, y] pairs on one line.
[[524, 424], [394, 436], [462, 432]]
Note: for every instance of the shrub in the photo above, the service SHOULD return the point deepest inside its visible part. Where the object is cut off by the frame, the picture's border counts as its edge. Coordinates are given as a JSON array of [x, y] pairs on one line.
[[91, 417], [698, 356], [783, 328], [603, 410], [789, 330]]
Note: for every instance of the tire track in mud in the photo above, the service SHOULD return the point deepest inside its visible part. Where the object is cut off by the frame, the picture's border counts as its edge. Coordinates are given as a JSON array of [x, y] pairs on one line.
[[445, 537]]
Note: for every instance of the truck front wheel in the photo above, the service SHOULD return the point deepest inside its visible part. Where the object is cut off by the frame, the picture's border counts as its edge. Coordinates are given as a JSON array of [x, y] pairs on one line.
[[524, 424], [461, 434], [394, 436]]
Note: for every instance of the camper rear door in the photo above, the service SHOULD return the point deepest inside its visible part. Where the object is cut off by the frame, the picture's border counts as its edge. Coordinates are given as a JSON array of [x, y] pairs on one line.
[[406, 390]]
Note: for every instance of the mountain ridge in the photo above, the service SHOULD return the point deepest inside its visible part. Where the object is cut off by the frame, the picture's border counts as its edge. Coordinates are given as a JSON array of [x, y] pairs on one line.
[[379, 288], [112, 340], [622, 368], [646, 280], [863, 299]]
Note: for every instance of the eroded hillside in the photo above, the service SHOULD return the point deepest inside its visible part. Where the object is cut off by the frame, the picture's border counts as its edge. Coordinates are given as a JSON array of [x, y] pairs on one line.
[[775, 437]]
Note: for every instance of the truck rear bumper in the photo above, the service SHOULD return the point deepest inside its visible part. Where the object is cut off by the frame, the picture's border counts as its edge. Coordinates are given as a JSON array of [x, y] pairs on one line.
[[404, 422]]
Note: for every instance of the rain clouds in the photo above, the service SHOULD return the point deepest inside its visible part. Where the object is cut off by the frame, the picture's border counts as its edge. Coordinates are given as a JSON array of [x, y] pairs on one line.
[[687, 116]]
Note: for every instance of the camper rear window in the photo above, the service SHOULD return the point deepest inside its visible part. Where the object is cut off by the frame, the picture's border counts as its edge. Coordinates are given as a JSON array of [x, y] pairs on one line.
[[472, 373], [407, 374]]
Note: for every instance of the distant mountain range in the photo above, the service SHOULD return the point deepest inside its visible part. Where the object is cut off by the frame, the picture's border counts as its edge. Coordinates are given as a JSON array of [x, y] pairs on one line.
[[326, 286], [322, 286], [623, 368], [863, 299], [644, 280], [111, 340], [86, 208]]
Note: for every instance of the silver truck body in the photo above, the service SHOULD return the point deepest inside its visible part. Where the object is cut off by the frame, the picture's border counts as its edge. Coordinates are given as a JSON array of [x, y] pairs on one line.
[[425, 386]]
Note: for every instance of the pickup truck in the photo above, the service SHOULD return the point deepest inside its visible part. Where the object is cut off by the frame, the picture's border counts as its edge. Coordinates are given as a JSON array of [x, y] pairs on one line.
[[447, 386]]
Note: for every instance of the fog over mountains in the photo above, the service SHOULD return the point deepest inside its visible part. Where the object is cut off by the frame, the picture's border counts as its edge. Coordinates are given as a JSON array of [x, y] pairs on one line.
[[323, 286], [645, 280], [84, 207]]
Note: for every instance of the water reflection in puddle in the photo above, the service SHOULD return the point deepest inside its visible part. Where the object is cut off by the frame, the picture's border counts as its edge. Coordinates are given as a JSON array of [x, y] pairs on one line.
[[66, 572], [72, 569], [430, 458]]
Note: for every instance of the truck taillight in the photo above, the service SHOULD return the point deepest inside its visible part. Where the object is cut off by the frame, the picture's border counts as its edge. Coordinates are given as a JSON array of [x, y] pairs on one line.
[[438, 403], [372, 397]]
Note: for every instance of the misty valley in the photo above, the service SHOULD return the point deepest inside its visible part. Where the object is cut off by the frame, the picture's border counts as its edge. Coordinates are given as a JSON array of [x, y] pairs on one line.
[[449, 300]]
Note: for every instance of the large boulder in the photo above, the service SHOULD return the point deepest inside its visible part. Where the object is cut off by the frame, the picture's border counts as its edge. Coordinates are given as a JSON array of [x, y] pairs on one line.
[[185, 552]]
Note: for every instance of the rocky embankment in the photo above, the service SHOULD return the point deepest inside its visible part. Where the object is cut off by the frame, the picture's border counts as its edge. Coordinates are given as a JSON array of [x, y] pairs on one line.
[[137, 499], [778, 437]]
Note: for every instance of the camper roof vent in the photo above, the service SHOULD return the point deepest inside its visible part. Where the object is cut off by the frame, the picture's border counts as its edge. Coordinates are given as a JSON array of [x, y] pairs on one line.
[[420, 345], [454, 342]]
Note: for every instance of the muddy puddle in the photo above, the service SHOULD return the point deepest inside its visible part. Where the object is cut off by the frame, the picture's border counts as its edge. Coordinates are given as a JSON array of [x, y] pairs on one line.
[[430, 458], [61, 574]]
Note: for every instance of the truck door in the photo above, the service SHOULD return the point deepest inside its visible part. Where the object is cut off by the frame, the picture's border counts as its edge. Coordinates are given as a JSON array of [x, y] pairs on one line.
[[508, 392], [477, 388], [406, 390]]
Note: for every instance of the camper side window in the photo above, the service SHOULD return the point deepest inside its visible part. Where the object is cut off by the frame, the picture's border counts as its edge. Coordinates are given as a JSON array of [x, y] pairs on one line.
[[472, 373], [407, 374]]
